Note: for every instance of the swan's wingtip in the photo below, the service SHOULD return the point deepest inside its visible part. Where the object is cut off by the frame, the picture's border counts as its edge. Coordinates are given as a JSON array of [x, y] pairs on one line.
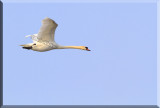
[[27, 36]]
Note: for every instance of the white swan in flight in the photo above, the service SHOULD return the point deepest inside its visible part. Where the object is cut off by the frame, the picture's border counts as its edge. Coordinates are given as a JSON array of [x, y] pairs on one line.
[[44, 40]]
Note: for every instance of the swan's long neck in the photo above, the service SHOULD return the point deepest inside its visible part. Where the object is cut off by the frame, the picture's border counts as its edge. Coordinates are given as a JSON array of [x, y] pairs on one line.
[[70, 47]]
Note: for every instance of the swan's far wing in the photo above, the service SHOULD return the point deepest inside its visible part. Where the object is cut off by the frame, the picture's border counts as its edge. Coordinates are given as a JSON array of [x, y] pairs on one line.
[[34, 37], [47, 30]]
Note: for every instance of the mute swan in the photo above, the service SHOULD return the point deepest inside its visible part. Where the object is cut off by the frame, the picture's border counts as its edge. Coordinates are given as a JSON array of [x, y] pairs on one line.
[[44, 40]]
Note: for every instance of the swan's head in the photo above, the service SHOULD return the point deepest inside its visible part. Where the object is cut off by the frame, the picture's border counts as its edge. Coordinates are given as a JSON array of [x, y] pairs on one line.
[[85, 48]]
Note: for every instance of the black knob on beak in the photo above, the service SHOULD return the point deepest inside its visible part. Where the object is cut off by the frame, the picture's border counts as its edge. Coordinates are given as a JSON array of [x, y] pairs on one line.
[[87, 49]]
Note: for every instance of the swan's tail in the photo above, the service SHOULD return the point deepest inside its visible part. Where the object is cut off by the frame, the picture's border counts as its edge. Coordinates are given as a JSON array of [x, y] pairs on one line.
[[27, 46]]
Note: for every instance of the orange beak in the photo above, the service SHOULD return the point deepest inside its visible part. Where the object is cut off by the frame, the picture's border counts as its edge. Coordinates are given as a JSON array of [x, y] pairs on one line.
[[88, 49]]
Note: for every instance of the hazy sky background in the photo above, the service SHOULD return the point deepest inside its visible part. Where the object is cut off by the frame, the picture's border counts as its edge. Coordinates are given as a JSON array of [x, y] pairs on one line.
[[120, 69]]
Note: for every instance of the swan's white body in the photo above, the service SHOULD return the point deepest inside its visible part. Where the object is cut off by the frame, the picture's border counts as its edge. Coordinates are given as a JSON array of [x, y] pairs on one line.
[[44, 40], [42, 45]]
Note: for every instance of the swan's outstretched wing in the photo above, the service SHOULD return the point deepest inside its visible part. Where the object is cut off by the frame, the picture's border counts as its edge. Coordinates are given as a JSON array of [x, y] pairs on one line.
[[47, 30]]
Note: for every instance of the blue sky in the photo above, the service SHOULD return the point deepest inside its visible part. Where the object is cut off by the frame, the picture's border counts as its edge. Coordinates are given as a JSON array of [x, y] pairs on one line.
[[120, 69]]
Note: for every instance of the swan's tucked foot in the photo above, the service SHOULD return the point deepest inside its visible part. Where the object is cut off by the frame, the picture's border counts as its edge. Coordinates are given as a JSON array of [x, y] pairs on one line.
[[27, 48]]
